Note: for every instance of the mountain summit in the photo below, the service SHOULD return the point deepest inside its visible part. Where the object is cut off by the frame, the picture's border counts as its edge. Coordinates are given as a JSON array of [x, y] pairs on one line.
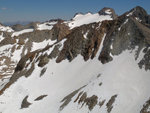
[[139, 13], [93, 63]]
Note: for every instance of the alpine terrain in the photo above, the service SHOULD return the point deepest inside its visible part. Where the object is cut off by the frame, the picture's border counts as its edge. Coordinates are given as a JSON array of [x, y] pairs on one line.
[[93, 63]]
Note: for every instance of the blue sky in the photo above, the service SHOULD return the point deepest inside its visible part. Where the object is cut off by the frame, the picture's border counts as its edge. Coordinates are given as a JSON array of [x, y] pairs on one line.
[[42, 10]]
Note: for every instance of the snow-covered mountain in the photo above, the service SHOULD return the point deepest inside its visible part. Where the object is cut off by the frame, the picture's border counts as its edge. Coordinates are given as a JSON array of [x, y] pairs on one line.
[[93, 63]]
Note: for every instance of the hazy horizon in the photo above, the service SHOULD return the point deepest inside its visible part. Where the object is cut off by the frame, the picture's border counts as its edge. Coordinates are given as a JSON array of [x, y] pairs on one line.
[[43, 10]]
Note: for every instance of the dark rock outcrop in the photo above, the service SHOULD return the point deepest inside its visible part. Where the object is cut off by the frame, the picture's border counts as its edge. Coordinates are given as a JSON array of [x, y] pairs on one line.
[[68, 98], [25, 103], [19, 27], [110, 103], [40, 97], [91, 102], [146, 107], [139, 12], [60, 30], [108, 11], [77, 44]]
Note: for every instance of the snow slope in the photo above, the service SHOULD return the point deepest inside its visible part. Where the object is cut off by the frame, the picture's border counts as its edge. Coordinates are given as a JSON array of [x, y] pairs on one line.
[[117, 78], [120, 77]]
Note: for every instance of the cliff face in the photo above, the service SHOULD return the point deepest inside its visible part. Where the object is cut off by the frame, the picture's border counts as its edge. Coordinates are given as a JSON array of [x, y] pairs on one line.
[[92, 63]]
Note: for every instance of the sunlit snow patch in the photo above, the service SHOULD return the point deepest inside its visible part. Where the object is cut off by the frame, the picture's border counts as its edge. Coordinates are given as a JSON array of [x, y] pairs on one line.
[[22, 32], [41, 45], [88, 18], [6, 28], [1, 37], [46, 26]]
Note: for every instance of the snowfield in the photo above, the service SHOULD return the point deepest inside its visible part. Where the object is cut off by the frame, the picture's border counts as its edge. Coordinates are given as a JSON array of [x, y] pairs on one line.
[[81, 19]]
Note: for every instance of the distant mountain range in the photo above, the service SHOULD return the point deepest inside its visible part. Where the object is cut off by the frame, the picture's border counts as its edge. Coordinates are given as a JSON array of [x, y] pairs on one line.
[[17, 22]]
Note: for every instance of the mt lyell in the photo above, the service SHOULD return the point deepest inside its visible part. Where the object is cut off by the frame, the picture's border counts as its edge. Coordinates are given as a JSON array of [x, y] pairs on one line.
[[93, 63]]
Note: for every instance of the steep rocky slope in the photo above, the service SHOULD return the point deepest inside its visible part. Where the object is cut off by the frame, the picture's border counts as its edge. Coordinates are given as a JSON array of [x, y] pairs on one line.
[[96, 63]]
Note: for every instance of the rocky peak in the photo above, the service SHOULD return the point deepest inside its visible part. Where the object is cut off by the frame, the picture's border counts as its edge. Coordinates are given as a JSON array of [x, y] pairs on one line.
[[139, 10], [139, 14], [108, 11]]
